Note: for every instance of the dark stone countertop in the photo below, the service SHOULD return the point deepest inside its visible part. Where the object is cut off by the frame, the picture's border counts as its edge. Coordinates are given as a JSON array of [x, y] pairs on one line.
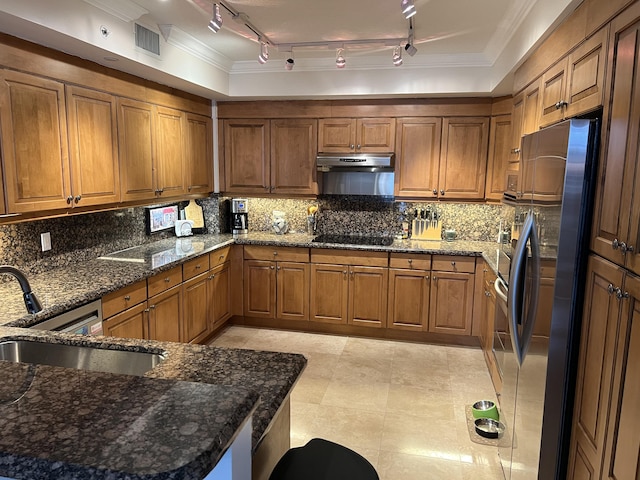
[[175, 422]]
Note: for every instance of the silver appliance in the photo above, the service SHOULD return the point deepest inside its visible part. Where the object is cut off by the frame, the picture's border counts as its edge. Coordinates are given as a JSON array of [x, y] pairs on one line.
[[84, 320], [239, 216], [356, 174], [536, 401]]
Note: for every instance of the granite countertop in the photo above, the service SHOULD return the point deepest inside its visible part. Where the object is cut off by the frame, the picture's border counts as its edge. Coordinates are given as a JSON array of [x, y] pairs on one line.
[[174, 422]]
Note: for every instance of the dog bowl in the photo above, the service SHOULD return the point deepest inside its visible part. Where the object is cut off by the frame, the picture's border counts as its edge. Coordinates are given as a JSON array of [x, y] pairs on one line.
[[485, 409], [489, 428]]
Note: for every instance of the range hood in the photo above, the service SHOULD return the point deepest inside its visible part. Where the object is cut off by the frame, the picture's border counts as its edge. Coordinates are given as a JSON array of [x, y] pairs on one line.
[[356, 174]]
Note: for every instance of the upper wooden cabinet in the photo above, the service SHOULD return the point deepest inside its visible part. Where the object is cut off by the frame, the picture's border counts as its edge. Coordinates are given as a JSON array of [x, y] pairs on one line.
[[171, 130], [575, 85], [34, 143], [499, 158], [417, 156], [199, 154], [463, 159], [358, 135], [93, 146], [270, 156]]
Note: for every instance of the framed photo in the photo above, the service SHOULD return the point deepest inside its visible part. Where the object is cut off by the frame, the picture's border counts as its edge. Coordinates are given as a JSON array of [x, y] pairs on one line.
[[158, 219]]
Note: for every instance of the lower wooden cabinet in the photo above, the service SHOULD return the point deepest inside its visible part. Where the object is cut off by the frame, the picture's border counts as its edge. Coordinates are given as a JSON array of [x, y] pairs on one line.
[[409, 299], [329, 293], [131, 323], [165, 312], [452, 285], [260, 288]]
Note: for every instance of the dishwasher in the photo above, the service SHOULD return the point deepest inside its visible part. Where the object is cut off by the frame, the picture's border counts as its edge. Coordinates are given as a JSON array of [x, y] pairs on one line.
[[84, 320]]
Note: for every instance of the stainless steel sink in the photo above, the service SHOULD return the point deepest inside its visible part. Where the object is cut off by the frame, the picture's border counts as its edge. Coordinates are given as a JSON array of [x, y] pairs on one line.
[[84, 358]]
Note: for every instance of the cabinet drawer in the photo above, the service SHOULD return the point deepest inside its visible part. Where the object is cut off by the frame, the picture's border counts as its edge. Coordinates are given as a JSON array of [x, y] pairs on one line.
[[124, 298], [349, 257], [164, 281], [453, 263], [281, 254], [195, 267], [219, 256], [408, 260]]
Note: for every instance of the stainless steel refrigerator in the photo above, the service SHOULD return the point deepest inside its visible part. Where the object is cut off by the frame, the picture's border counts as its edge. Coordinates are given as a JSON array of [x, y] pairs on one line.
[[551, 218]]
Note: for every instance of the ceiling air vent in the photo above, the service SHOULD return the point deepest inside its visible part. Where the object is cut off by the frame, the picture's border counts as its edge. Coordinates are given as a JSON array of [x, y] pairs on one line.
[[147, 39]]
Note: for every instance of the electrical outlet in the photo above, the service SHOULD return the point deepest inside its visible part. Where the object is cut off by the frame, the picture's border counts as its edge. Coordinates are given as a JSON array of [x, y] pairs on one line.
[[45, 241]]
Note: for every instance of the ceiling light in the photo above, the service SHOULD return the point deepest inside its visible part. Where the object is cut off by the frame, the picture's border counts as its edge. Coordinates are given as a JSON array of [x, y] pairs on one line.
[[409, 47], [289, 63], [340, 61], [397, 56], [408, 8], [264, 53], [216, 21]]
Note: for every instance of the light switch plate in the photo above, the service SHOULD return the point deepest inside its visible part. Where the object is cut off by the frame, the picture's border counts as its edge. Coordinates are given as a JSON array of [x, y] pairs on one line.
[[45, 241]]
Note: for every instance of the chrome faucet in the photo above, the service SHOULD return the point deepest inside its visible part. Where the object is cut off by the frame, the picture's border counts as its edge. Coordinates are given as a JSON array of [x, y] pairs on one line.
[[30, 300]]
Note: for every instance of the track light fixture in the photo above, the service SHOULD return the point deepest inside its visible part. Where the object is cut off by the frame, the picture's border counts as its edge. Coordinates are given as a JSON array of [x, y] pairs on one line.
[[340, 61], [264, 53], [216, 21], [289, 63], [409, 47], [408, 8], [397, 56]]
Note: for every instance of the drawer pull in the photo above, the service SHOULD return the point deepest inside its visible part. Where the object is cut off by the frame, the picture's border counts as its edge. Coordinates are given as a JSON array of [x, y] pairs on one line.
[[453, 264], [198, 267], [410, 261], [167, 280], [221, 257], [426, 277], [127, 297]]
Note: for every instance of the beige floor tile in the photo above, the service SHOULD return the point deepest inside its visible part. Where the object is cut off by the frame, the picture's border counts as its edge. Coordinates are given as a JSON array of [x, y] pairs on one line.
[[355, 429], [352, 369], [475, 472], [321, 365], [420, 402], [432, 356], [362, 396], [368, 348], [407, 372], [424, 436], [396, 466], [303, 417], [310, 389]]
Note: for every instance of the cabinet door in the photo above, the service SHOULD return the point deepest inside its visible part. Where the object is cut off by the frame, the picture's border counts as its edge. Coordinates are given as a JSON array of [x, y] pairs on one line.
[[408, 299], [499, 157], [135, 136], [368, 292], [93, 146], [463, 162], [220, 286], [34, 143], [329, 293], [259, 289], [293, 156], [517, 119], [165, 316], [451, 307], [170, 148], [623, 438], [600, 321], [417, 157], [375, 135], [293, 290], [199, 154], [246, 156], [585, 75], [614, 211], [337, 135], [132, 323], [531, 109], [197, 308], [552, 94]]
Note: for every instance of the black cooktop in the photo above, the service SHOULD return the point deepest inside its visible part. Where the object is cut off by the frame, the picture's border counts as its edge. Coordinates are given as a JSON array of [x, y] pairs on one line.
[[373, 240]]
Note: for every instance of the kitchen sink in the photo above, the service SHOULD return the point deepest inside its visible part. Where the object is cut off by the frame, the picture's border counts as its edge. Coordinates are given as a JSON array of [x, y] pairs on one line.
[[80, 357]]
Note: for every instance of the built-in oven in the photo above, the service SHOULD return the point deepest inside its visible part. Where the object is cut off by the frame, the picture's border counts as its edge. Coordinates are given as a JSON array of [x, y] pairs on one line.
[[84, 320]]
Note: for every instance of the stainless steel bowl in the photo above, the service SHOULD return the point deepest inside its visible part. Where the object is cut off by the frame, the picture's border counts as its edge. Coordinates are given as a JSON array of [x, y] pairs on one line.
[[489, 428]]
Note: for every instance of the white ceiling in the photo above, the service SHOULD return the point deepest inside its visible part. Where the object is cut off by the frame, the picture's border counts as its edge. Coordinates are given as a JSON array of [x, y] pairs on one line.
[[465, 47]]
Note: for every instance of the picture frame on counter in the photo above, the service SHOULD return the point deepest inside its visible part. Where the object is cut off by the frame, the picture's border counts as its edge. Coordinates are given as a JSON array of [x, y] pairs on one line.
[[160, 218]]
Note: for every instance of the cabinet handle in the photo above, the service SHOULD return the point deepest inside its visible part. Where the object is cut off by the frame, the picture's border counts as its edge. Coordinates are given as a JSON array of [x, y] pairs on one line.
[[484, 270], [515, 150], [278, 268], [453, 264], [221, 257], [624, 248], [615, 244], [212, 276], [127, 297], [146, 310], [426, 277], [266, 188], [167, 280], [435, 191], [198, 267], [410, 261], [620, 294], [561, 104], [189, 188], [275, 254], [271, 267], [486, 293], [152, 307], [78, 198], [352, 146], [441, 192], [69, 199], [435, 279], [358, 147], [611, 289]]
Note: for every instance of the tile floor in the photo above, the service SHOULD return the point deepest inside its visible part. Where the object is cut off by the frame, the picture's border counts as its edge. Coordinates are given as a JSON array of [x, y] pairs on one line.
[[400, 405]]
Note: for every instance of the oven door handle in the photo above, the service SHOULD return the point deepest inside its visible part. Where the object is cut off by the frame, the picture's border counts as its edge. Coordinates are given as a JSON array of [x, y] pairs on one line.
[[501, 289]]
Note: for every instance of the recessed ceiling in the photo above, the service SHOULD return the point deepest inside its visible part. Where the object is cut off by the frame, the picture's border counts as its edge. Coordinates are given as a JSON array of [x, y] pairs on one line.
[[465, 47]]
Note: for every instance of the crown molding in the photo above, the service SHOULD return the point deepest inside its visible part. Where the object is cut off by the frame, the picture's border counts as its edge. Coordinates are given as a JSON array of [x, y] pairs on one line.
[[122, 9]]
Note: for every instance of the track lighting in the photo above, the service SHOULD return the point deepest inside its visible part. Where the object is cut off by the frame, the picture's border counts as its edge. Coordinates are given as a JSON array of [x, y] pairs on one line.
[[408, 8], [216, 20], [289, 63], [397, 56], [409, 47], [264, 53], [340, 61]]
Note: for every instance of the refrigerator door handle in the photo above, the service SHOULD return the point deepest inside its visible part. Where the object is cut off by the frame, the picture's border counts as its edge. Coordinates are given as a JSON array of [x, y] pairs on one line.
[[533, 292]]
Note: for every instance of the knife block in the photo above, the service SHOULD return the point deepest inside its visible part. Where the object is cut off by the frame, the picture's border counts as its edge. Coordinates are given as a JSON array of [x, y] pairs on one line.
[[426, 230]]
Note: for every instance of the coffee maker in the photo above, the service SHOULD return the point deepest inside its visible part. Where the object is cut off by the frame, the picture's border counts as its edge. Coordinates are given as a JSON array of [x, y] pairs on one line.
[[239, 216]]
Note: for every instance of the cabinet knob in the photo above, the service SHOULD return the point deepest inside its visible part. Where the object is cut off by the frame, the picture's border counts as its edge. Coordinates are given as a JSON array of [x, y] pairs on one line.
[[189, 188], [266, 188], [487, 294], [352, 146], [127, 297], [561, 104], [344, 272], [410, 261], [453, 264], [69, 199], [271, 267], [611, 289], [515, 150], [435, 279], [146, 310], [212, 276], [615, 244], [358, 147], [198, 267], [620, 294], [441, 192], [275, 253], [426, 277], [220, 257], [167, 280], [435, 191], [278, 268], [78, 198], [152, 307]]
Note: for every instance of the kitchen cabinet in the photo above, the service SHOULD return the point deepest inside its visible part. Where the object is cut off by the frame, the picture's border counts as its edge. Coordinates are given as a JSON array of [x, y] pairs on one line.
[[293, 156], [165, 315], [451, 302], [349, 288], [197, 299], [276, 282], [34, 143], [418, 157], [463, 162], [409, 287], [93, 147], [499, 158], [131, 323], [575, 84], [525, 117], [489, 309], [170, 152], [598, 344], [616, 221], [246, 156], [357, 135], [199, 154], [220, 294]]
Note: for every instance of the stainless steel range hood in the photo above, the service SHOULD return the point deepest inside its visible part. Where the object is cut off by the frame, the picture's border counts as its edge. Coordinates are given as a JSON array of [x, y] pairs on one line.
[[356, 174]]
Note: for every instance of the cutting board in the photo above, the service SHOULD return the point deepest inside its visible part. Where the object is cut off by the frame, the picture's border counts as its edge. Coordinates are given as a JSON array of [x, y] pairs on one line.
[[193, 211]]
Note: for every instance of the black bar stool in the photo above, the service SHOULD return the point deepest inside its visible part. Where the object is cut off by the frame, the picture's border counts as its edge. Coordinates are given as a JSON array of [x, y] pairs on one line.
[[323, 460]]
